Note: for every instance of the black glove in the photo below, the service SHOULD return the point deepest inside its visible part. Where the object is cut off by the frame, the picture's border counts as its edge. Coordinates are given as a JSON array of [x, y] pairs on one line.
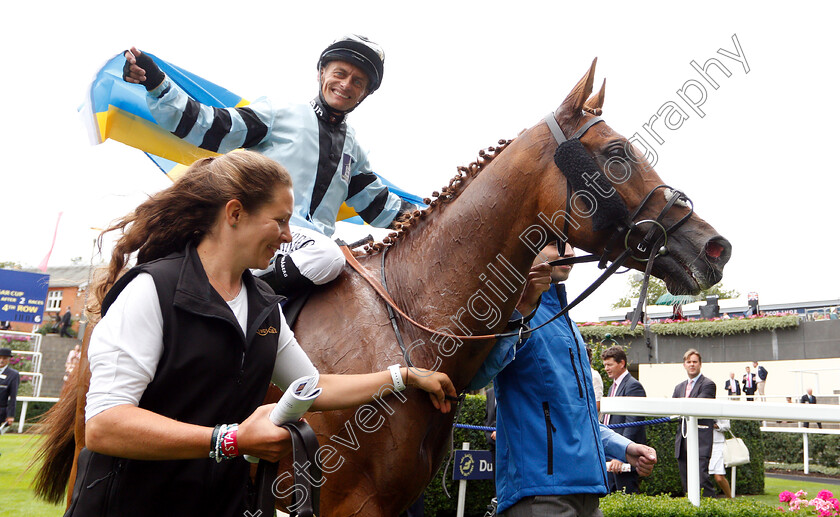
[[154, 76]]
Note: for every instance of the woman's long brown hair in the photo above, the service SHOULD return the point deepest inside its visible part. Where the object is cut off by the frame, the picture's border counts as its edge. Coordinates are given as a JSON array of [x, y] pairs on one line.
[[186, 211]]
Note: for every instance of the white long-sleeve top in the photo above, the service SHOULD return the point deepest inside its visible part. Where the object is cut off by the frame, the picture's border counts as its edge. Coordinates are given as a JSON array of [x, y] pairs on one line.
[[127, 344]]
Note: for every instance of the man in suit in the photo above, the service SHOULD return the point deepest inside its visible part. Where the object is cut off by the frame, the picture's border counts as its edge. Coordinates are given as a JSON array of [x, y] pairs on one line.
[[749, 384], [65, 324], [732, 387], [490, 420], [809, 398], [696, 386], [623, 385], [762, 379], [9, 382]]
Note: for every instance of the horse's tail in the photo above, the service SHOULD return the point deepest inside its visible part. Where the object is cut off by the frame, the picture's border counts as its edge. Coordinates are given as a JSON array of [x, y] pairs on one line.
[[58, 447]]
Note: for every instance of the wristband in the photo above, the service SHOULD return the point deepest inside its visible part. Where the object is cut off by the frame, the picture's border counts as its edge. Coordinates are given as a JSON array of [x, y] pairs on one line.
[[223, 444], [229, 446], [213, 440], [396, 376]]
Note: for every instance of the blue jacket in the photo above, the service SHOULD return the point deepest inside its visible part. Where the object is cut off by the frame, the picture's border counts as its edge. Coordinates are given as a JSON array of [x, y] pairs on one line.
[[326, 162], [548, 439]]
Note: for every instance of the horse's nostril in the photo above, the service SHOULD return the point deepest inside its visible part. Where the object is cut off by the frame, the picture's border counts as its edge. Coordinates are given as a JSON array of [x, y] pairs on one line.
[[718, 249], [714, 249]]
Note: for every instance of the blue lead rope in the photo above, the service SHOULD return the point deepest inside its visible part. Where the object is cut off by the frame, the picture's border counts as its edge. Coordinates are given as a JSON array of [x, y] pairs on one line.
[[611, 426]]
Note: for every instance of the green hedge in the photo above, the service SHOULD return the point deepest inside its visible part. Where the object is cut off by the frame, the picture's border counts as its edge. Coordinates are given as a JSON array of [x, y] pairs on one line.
[[665, 478], [624, 505], [823, 449], [691, 328]]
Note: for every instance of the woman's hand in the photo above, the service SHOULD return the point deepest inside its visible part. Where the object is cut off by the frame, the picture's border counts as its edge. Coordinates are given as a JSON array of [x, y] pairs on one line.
[[437, 384], [258, 437]]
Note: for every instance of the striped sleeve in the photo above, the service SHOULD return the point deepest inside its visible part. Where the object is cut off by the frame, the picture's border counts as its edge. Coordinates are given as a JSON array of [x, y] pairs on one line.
[[371, 198], [215, 129]]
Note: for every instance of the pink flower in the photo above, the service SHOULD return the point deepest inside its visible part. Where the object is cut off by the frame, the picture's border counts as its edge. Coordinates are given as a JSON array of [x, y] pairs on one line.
[[800, 493], [785, 497], [835, 503], [825, 495]]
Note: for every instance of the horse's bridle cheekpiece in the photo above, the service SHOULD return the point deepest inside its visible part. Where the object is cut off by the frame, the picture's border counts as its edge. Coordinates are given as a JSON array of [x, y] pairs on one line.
[[581, 171]]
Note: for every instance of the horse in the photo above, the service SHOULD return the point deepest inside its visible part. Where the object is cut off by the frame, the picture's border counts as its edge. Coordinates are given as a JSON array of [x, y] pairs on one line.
[[457, 268]]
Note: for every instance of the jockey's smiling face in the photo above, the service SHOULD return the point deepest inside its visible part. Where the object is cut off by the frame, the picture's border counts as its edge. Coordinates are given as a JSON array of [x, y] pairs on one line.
[[343, 85]]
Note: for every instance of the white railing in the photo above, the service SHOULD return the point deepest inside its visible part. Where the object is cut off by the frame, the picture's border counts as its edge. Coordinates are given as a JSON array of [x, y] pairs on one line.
[[804, 431], [693, 408], [25, 401], [37, 376]]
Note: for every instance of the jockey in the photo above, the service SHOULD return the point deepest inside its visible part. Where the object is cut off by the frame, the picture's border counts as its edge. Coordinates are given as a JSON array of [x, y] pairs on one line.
[[313, 141]]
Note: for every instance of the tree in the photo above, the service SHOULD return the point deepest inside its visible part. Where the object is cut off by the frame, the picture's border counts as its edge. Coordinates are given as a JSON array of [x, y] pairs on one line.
[[10, 265], [656, 288]]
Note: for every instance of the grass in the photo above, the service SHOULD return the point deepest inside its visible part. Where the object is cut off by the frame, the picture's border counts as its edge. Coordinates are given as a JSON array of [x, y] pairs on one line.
[[15, 494]]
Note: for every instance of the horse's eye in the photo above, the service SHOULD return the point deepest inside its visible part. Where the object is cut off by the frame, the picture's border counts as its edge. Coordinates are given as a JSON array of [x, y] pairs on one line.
[[616, 151]]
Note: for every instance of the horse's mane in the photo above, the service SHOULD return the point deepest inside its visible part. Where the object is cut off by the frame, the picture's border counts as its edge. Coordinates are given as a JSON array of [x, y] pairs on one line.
[[462, 178]]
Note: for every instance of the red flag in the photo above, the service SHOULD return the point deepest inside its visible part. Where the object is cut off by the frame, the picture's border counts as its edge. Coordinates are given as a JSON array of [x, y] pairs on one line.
[[43, 266]]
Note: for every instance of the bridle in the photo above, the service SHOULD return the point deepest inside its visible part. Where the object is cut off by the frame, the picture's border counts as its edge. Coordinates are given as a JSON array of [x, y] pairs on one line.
[[652, 245]]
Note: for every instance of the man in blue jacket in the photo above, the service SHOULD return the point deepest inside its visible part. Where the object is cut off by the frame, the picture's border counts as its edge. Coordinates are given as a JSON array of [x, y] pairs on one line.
[[551, 452], [312, 141]]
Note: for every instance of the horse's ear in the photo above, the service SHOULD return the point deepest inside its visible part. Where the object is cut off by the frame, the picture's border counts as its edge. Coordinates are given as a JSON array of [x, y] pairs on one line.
[[596, 102], [573, 105]]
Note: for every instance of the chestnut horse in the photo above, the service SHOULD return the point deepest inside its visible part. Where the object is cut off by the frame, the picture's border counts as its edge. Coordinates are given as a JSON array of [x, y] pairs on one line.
[[458, 267]]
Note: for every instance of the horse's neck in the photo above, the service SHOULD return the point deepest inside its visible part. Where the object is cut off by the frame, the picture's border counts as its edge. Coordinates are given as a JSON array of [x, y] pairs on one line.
[[462, 272]]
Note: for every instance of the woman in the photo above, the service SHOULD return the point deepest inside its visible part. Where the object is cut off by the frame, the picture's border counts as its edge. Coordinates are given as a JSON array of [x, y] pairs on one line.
[[188, 342], [716, 466]]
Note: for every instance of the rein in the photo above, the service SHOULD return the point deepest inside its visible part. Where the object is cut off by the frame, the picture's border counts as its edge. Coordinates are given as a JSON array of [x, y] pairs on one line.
[[653, 244]]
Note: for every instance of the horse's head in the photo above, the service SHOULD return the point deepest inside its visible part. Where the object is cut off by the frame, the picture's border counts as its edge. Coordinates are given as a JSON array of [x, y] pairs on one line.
[[617, 201]]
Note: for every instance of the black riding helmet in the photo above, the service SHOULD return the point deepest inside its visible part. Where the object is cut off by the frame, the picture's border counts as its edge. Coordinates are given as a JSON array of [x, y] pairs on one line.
[[359, 51]]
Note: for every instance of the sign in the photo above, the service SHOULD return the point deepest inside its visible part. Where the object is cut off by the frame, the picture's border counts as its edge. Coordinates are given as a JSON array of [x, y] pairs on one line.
[[22, 296], [473, 465]]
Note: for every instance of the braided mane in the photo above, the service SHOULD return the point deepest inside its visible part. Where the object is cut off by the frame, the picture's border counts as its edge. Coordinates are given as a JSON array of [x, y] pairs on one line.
[[462, 178]]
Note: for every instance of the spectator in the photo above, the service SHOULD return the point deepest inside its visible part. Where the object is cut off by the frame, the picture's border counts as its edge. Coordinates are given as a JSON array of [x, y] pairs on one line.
[[72, 361], [716, 466], [490, 420], [5, 325], [597, 381], [749, 384], [732, 387], [809, 398], [762, 379], [64, 326], [623, 385], [696, 386], [9, 382]]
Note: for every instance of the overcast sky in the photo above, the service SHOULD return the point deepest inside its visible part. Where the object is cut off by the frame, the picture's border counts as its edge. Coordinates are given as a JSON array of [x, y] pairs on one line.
[[759, 165]]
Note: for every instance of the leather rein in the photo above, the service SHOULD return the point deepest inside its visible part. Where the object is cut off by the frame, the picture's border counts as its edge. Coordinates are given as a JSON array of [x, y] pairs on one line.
[[653, 244]]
